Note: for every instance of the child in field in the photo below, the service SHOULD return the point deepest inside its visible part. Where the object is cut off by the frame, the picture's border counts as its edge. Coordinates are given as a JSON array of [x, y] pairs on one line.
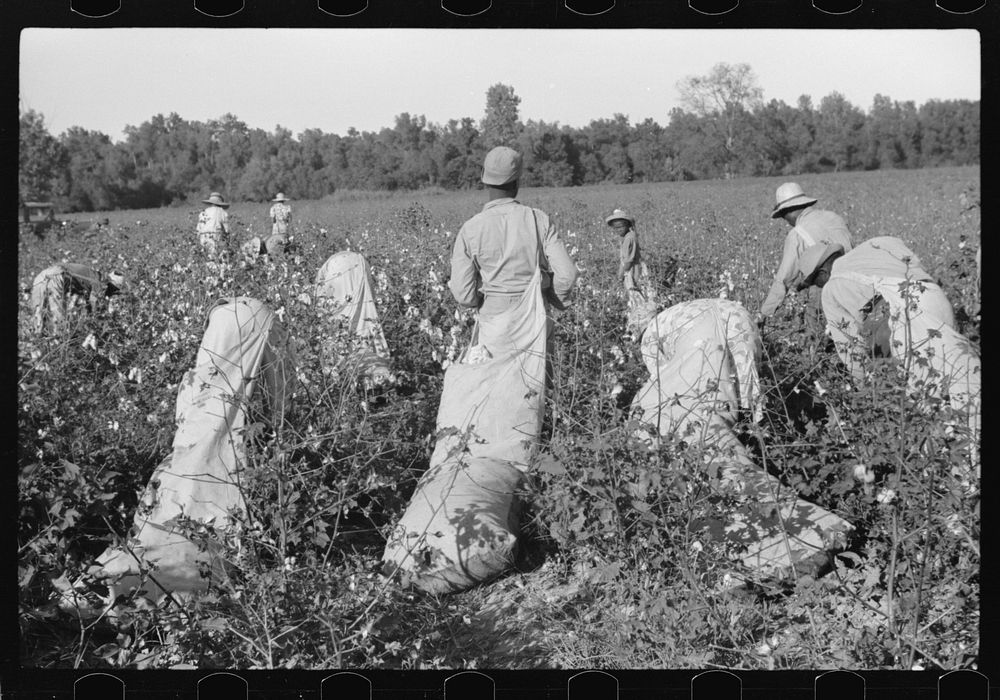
[[632, 270]]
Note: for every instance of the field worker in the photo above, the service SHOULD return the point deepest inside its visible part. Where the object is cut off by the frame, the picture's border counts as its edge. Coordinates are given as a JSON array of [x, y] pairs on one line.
[[253, 249], [60, 288], [242, 364], [344, 287], [702, 356], [498, 251], [213, 223], [878, 299], [281, 215], [631, 269], [810, 226], [461, 526], [97, 228], [258, 247]]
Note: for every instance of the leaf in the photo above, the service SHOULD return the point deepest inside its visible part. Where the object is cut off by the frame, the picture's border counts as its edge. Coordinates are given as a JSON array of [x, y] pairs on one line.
[[216, 623], [550, 465], [851, 557], [640, 506]]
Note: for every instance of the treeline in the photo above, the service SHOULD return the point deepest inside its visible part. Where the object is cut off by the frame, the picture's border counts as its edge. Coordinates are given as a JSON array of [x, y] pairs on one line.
[[169, 159]]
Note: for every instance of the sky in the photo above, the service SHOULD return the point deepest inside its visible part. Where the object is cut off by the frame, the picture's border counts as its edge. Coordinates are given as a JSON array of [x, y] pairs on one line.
[[334, 79]]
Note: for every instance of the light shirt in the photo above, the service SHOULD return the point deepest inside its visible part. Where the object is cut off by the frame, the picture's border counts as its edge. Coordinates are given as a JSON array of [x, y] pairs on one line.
[[496, 250], [83, 280], [628, 254], [852, 285], [213, 220], [812, 227], [281, 215]]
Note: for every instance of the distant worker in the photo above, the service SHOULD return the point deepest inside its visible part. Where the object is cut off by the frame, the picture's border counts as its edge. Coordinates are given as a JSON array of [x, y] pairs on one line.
[[631, 269], [97, 228], [810, 226], [257, 248], [878, 300], [60, 288], [281, 215], [281, 221], [213, 223]]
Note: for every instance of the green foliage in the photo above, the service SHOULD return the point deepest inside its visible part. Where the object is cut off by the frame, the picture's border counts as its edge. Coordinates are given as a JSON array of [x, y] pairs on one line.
[[41, 159], [727, 131], [501, 125], [629, 580]]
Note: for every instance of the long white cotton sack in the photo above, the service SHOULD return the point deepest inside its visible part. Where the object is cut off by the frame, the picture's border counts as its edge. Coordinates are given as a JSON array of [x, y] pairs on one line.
[[243, 354], [461, 525]]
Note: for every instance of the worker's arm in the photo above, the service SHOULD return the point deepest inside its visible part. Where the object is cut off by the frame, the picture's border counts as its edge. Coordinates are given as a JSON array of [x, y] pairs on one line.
[[464, 275], [784, 277]]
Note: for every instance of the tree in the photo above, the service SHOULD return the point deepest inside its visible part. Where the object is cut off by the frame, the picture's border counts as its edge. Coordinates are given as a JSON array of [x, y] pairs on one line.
[[88, 158], [949, 132], [839, 133], [893, 134], [609, 140], [648, 152], [41, 161], [230, 150], [696, 152], [724, 99], [458, 152], [501, 125]]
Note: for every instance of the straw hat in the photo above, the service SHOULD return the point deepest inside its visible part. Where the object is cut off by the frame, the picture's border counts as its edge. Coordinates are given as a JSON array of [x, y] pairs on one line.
[[216, 199], [813, 257], [281, 198], [790, 196], [501, 166], [619, 214]]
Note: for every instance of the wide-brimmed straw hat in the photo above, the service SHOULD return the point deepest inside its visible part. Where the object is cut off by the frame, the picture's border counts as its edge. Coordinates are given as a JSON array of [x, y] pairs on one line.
[[619, 214], [813, 257], [501, 166], [216, 199], [281, 198], [790, 196]]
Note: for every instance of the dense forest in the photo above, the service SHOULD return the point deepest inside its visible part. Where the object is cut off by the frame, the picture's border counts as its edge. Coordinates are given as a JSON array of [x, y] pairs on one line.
[[724, 129]]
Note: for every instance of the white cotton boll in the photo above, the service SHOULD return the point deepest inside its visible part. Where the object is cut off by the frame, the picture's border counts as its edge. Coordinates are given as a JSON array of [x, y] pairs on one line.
[[885, 496], [864, 474]]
